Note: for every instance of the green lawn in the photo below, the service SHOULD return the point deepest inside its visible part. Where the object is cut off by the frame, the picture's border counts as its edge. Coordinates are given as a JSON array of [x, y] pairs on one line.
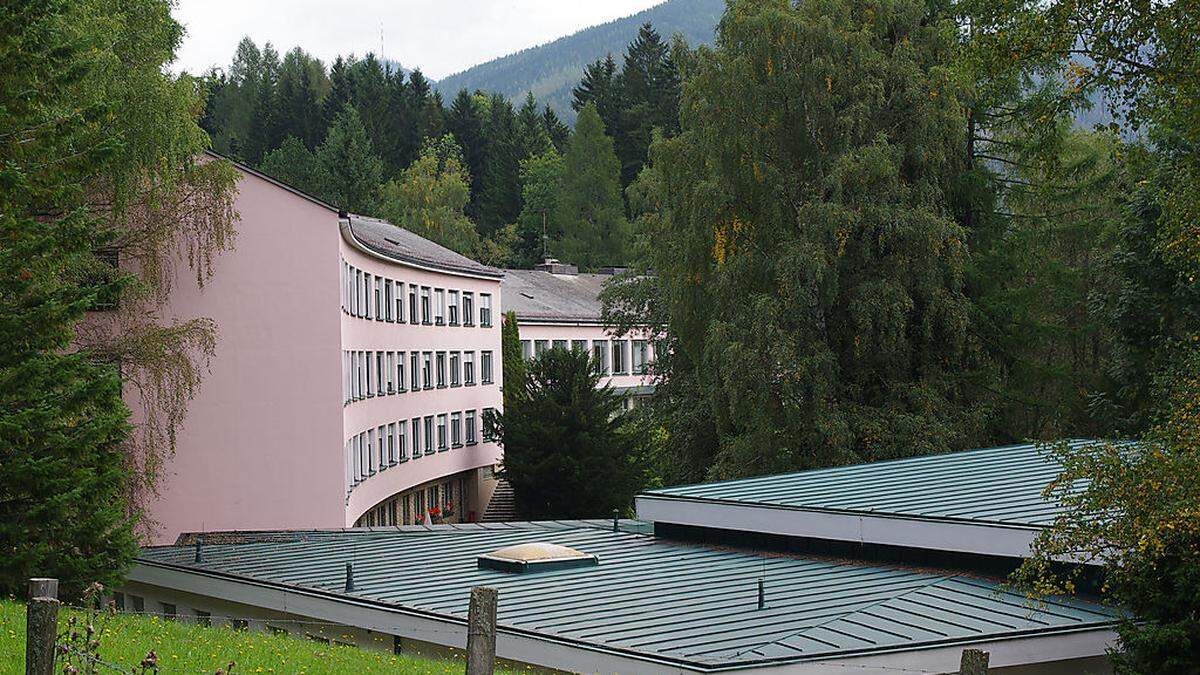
[[189, 648]]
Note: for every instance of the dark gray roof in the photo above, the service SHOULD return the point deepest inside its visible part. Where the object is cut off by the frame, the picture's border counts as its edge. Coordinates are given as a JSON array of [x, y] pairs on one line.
[[652, 598], [541, 296], [994, 485], [402, 245]]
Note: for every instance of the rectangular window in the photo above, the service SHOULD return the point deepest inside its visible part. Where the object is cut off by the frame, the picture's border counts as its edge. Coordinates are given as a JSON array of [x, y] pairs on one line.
[[469, 369], [358, 293], [391, 372], [402, 440], [526, 349], [426, 310], [485, 367], [370, 374], [453, 308], [367, 295], [439, 307], [429, 434], [401, 383], [427, 369], [485, 310], [488, 431], [392, 455], [380, 373], [138, 603], [540, 346], [388, 303], [406, 509], [370, 456], [416, 437], [440, 360], [579, 345], [415, 363], [560, 344], [600, 355], [470, 424], [441, 432], [379, 298], [168, 611], [354, 455], [399, 298], [456, 429], [638, 357], [383, 458], [468, 308], [619, 366], [413, 312], [455, 369]]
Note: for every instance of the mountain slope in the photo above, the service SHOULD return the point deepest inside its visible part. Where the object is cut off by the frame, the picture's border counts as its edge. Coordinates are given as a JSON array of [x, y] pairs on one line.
[[552, 69]]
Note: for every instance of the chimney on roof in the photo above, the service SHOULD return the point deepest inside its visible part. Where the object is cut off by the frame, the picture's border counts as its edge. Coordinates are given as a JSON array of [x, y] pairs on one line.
[[343, 213], [553, 266]]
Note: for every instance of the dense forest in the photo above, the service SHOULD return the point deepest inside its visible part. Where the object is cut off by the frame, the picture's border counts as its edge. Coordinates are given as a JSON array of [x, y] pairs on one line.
[[552, 70], [479, 175]]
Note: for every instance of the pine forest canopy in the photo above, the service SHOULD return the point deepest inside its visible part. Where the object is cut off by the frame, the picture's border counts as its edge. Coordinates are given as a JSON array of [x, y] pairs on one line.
[[358, 134]]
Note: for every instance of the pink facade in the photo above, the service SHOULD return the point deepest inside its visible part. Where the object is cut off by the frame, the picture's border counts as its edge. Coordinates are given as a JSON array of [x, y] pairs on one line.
[[265, 444]]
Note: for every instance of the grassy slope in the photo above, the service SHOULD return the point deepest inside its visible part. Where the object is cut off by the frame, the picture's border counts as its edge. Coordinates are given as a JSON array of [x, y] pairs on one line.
[[187, 648]]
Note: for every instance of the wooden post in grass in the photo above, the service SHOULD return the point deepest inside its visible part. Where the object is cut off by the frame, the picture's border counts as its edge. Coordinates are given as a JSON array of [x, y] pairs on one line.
[[481, 631], [974, 662], [41, 626]]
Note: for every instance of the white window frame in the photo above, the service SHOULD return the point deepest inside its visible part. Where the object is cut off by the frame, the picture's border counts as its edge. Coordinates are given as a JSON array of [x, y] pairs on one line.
[[469, 368]]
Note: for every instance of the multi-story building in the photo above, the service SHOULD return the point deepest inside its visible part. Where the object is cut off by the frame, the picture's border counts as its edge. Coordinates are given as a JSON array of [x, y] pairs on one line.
[[557, 306], [354, 366]]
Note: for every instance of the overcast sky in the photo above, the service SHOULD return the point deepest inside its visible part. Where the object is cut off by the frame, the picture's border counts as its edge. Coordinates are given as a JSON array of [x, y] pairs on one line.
[[440, 37]]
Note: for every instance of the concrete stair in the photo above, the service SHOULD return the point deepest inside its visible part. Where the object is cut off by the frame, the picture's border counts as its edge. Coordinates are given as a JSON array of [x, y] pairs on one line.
[[502, 507]]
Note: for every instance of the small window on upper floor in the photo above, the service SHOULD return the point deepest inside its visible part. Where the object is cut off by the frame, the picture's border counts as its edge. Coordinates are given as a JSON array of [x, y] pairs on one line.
[[439, 306], [453, 308], [485, 310], [526, 349], [468, 308], [426, 310]]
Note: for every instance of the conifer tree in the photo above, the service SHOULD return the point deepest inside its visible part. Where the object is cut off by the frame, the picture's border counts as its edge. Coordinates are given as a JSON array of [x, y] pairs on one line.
[[348, 170], [293, 164], [555, 129], [512, 360], [562, 406], [465, 122], [589, 209], [531, 131], [500, 193], [601, 86]]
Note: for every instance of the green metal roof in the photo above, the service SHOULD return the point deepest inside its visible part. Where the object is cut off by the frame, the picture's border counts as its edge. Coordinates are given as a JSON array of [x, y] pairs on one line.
[[648, 597], [993, 485]]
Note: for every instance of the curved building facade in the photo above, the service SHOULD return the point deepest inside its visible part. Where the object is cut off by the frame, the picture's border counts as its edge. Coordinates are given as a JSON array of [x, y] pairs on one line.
[[355, 363]]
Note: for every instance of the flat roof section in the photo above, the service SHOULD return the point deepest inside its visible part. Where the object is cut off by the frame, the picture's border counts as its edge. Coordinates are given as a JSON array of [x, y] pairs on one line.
[[666, 604], [986, 501]]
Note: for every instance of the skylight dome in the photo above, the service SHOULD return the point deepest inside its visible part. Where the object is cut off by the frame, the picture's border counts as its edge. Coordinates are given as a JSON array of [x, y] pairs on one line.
[[535, 557]]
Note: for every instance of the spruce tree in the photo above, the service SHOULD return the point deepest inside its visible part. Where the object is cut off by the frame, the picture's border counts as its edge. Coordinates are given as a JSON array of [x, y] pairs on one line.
[[589, 209], [555, 129], [500, 193], [512, 360], [531, 132], [348, 170], [465, 122], [600, 85], [567, 450]]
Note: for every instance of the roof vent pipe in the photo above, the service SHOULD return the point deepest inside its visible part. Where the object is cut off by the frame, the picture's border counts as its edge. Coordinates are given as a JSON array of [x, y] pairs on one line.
[[616, 518], [200, 548], [349, 578]]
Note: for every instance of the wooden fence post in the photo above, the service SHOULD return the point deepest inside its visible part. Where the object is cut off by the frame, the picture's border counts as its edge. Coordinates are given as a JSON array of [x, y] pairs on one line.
[[481, 631], [974, 662], [41, 626]]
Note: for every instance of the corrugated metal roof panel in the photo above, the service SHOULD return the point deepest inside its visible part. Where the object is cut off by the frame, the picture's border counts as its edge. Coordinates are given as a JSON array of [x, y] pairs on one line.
[[651, 596], [998, 485]]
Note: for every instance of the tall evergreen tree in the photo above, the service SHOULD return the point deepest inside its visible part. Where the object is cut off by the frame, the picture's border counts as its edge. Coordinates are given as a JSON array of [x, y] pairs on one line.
[[297, 98], [562, 405], [589, 209], [512, 360], [649, 87], [500, 193], [465, 122], [348, 170], [601, 86], [555, 129], [531, 131]]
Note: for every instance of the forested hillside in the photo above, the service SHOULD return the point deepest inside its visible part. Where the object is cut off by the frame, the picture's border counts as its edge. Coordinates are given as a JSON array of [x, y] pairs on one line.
[[549, 71]]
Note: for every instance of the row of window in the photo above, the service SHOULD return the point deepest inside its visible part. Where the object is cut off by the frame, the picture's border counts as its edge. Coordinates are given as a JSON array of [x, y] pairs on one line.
[[621, 358], [366, 374], [443, 502], [370, 296], [375, 450]]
